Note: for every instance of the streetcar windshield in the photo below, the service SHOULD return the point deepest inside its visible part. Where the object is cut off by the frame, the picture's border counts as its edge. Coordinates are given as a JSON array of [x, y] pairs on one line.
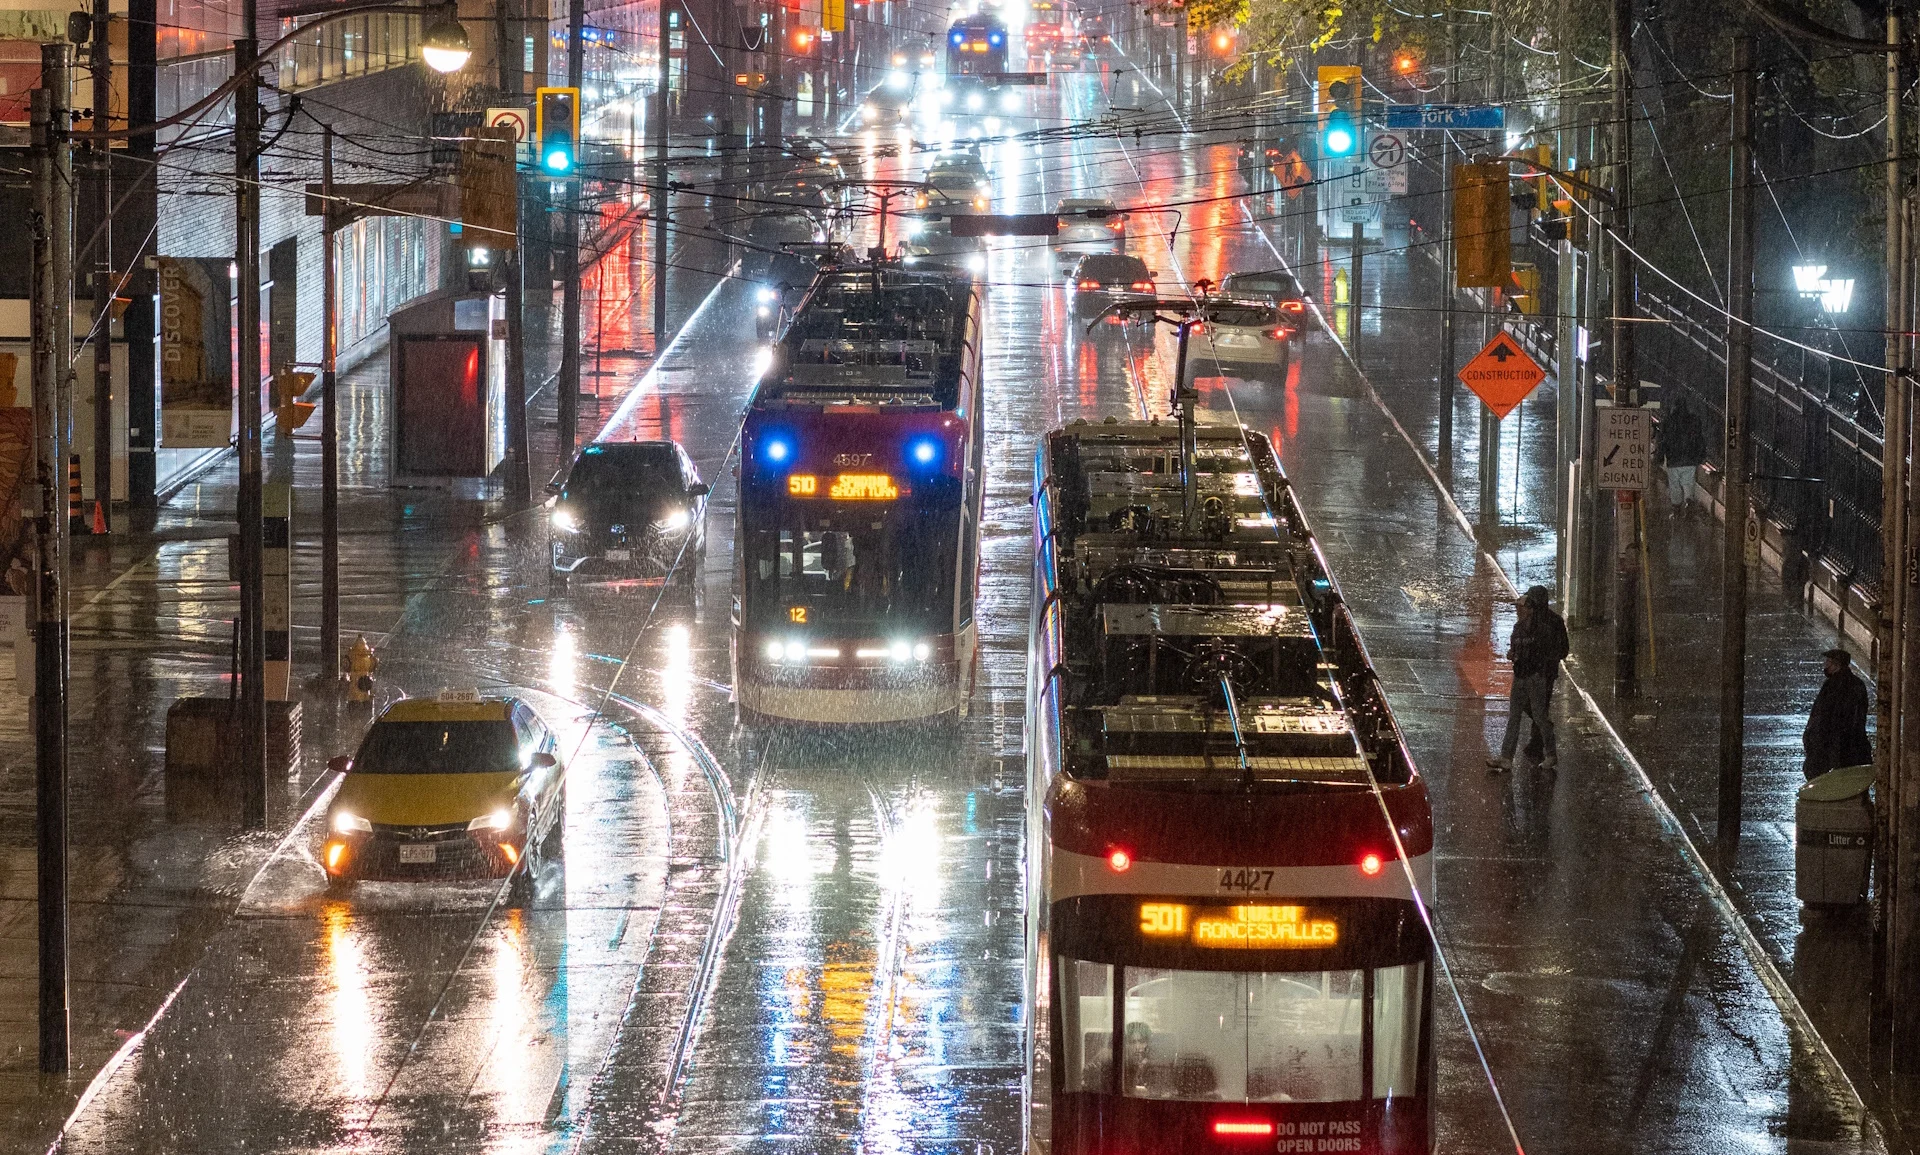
[[1256, 1037], [843, 570]]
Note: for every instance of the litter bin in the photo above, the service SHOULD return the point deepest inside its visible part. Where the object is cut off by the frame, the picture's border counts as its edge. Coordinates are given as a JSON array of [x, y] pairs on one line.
[[1834, 814]]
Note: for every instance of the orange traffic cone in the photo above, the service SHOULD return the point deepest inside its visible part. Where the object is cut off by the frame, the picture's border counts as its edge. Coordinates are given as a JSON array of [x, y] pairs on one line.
[[99, 518]]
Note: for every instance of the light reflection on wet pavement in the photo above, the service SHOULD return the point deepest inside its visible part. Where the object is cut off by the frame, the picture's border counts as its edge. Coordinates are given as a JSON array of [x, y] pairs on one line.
[[812, 942]]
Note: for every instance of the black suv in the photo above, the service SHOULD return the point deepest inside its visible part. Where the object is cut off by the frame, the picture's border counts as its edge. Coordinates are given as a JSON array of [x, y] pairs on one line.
[[630, 509]]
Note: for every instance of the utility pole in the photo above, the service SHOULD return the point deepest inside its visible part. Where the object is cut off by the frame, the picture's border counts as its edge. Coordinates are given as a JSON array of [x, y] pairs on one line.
[[329, 425], [101, 61], [52, 122], [1626, 370], [1733, 585], [569, 380], [246, 147], [1489, 498], [1891, 699], [1359, 248], [1570, 409], [1448, 293], [661, 194]]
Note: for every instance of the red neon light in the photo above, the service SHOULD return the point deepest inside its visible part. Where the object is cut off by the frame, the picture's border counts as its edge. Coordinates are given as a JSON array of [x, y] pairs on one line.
[[1231, 1127], [1370, 865], [1119, 861]]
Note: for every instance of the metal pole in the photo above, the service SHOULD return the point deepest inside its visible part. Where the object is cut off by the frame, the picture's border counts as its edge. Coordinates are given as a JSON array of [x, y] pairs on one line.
[[52, 346], [101, 61], [1448, 293], [329, 426], [253, 710], [1359, 248], [569, 380], [1626, 370], [1733, 585], [1567, 397], [1184, 398], [661, 195], [519, 453], [1890, 704], [1489, 499]]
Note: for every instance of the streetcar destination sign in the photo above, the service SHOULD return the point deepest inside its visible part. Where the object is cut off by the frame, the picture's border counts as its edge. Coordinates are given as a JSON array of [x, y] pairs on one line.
[[1442, 116], [1247, 927]]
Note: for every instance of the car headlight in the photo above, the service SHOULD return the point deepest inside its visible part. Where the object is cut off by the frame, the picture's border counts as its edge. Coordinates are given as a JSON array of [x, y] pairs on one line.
[[767, 296], [981, 203], [347, 822], [564, 521], [677, 520], [868, 111], [764, 311], [499, 820]]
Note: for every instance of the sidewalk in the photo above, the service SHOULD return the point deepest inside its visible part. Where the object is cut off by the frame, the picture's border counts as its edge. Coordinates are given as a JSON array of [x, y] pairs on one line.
[[152, 614], [1672, 729]]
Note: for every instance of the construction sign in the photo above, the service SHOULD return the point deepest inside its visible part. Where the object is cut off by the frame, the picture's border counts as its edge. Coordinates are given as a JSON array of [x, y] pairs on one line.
[[1502, 374]]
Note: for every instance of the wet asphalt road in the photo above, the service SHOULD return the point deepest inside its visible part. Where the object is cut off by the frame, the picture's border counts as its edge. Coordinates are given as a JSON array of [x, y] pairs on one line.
[[780, 941]]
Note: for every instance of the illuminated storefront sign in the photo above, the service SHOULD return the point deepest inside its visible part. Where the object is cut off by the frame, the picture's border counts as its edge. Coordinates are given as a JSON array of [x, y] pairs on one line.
[[1247, 927]]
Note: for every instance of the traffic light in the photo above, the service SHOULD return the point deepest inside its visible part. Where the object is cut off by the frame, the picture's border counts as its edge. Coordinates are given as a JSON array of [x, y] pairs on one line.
[[556, 130], [289, 412], [1482, 226], [1339, 109]]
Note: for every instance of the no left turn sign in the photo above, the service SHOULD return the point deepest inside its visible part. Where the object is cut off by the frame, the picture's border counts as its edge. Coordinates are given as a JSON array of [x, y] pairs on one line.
[[514, 118], [1387, 151]]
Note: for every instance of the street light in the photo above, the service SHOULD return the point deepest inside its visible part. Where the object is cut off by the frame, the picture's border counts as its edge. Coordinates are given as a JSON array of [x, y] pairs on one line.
[[445, 46]]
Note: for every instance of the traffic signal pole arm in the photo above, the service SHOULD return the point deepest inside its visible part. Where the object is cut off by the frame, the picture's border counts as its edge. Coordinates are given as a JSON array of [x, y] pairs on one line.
[[1567, 179], [447, 11]]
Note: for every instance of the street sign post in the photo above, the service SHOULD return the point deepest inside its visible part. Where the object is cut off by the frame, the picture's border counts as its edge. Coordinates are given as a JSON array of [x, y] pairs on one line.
[[1623, 448], [1433, 117], [1502, 374]]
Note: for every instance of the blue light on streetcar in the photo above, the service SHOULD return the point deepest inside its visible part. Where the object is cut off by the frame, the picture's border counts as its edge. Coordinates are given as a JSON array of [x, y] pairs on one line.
[[959, 37], [994, 39], [923, 451], [778, 449]]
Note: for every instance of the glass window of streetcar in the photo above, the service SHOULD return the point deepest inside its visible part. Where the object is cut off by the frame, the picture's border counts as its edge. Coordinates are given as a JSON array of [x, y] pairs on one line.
[[855, 567], [1257, 1037]]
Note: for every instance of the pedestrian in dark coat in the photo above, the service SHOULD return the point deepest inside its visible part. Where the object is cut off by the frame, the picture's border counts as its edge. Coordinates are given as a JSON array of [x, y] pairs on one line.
[[1680, 446], [1836, 733], [1536, 647]]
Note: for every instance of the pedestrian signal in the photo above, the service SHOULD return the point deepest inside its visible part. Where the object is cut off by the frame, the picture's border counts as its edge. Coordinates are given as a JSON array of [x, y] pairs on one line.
[[556, 130], [1482, 226], [1339, 108]]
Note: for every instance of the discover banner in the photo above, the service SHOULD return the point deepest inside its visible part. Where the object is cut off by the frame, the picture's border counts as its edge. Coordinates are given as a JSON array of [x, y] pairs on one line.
[[196, 353]]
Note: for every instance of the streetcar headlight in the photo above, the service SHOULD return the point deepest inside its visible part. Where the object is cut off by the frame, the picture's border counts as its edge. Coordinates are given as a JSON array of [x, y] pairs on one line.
[[347, 822], [498, 820], [975, 102], [564, 521], [977, 263], [1009, 101], [900, 651], [920, 651], [774, 650]]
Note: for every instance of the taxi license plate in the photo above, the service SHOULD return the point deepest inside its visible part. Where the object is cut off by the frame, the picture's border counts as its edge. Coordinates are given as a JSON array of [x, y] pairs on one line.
[[417, 855], [619, 555]]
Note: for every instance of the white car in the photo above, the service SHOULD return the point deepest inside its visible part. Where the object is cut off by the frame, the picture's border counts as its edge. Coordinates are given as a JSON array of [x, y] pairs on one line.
[[1089, 225]]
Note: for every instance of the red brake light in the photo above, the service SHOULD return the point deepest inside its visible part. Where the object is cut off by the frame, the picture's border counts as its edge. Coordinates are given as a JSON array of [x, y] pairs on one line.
[[1089, 284], [1273, 152], [1118, 861], [1293, 306], [1280, 334], [1117, 224], [1143, 286], [1370, 865], [1238, 1127]]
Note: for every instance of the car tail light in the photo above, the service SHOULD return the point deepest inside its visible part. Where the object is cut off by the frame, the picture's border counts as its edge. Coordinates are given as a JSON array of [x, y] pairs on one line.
[[1293, 306], [1242, 1128], [1282, 333], [1089, 285], [1197, 327], [1117, 224], [1143, 286], [1273, 152]]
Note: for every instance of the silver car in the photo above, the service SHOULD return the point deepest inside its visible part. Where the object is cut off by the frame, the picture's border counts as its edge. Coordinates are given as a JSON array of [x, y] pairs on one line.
[[1089, 225], [1244, 339]]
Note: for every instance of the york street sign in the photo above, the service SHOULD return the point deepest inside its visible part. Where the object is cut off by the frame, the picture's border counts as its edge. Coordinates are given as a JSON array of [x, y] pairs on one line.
[[1442, 116]]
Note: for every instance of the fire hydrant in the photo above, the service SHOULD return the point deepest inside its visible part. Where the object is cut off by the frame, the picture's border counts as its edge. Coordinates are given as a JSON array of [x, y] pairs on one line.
[[360, 667]]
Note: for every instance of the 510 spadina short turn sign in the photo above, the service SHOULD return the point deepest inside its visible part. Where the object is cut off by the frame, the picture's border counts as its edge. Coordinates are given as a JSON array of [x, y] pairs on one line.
[[1502, 374]]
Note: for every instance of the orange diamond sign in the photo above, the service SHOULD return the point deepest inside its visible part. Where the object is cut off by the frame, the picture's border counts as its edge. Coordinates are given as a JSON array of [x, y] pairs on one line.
[[1502, 374]]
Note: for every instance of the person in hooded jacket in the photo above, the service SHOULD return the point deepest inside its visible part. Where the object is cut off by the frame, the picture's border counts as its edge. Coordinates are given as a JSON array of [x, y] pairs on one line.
[[1836, 733], [1536, 646]]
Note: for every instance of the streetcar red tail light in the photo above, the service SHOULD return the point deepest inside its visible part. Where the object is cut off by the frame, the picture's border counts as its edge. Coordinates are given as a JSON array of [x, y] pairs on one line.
[[1370, 865], [1118, 861], [1242, 1128], [1293, 306]]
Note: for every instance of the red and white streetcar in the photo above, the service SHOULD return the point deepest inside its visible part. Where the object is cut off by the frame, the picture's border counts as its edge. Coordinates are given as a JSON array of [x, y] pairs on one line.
[[1225, 952], [857, 543]]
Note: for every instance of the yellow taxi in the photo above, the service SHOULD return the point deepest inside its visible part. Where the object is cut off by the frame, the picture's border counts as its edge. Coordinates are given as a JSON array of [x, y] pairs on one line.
[[451, 787]]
